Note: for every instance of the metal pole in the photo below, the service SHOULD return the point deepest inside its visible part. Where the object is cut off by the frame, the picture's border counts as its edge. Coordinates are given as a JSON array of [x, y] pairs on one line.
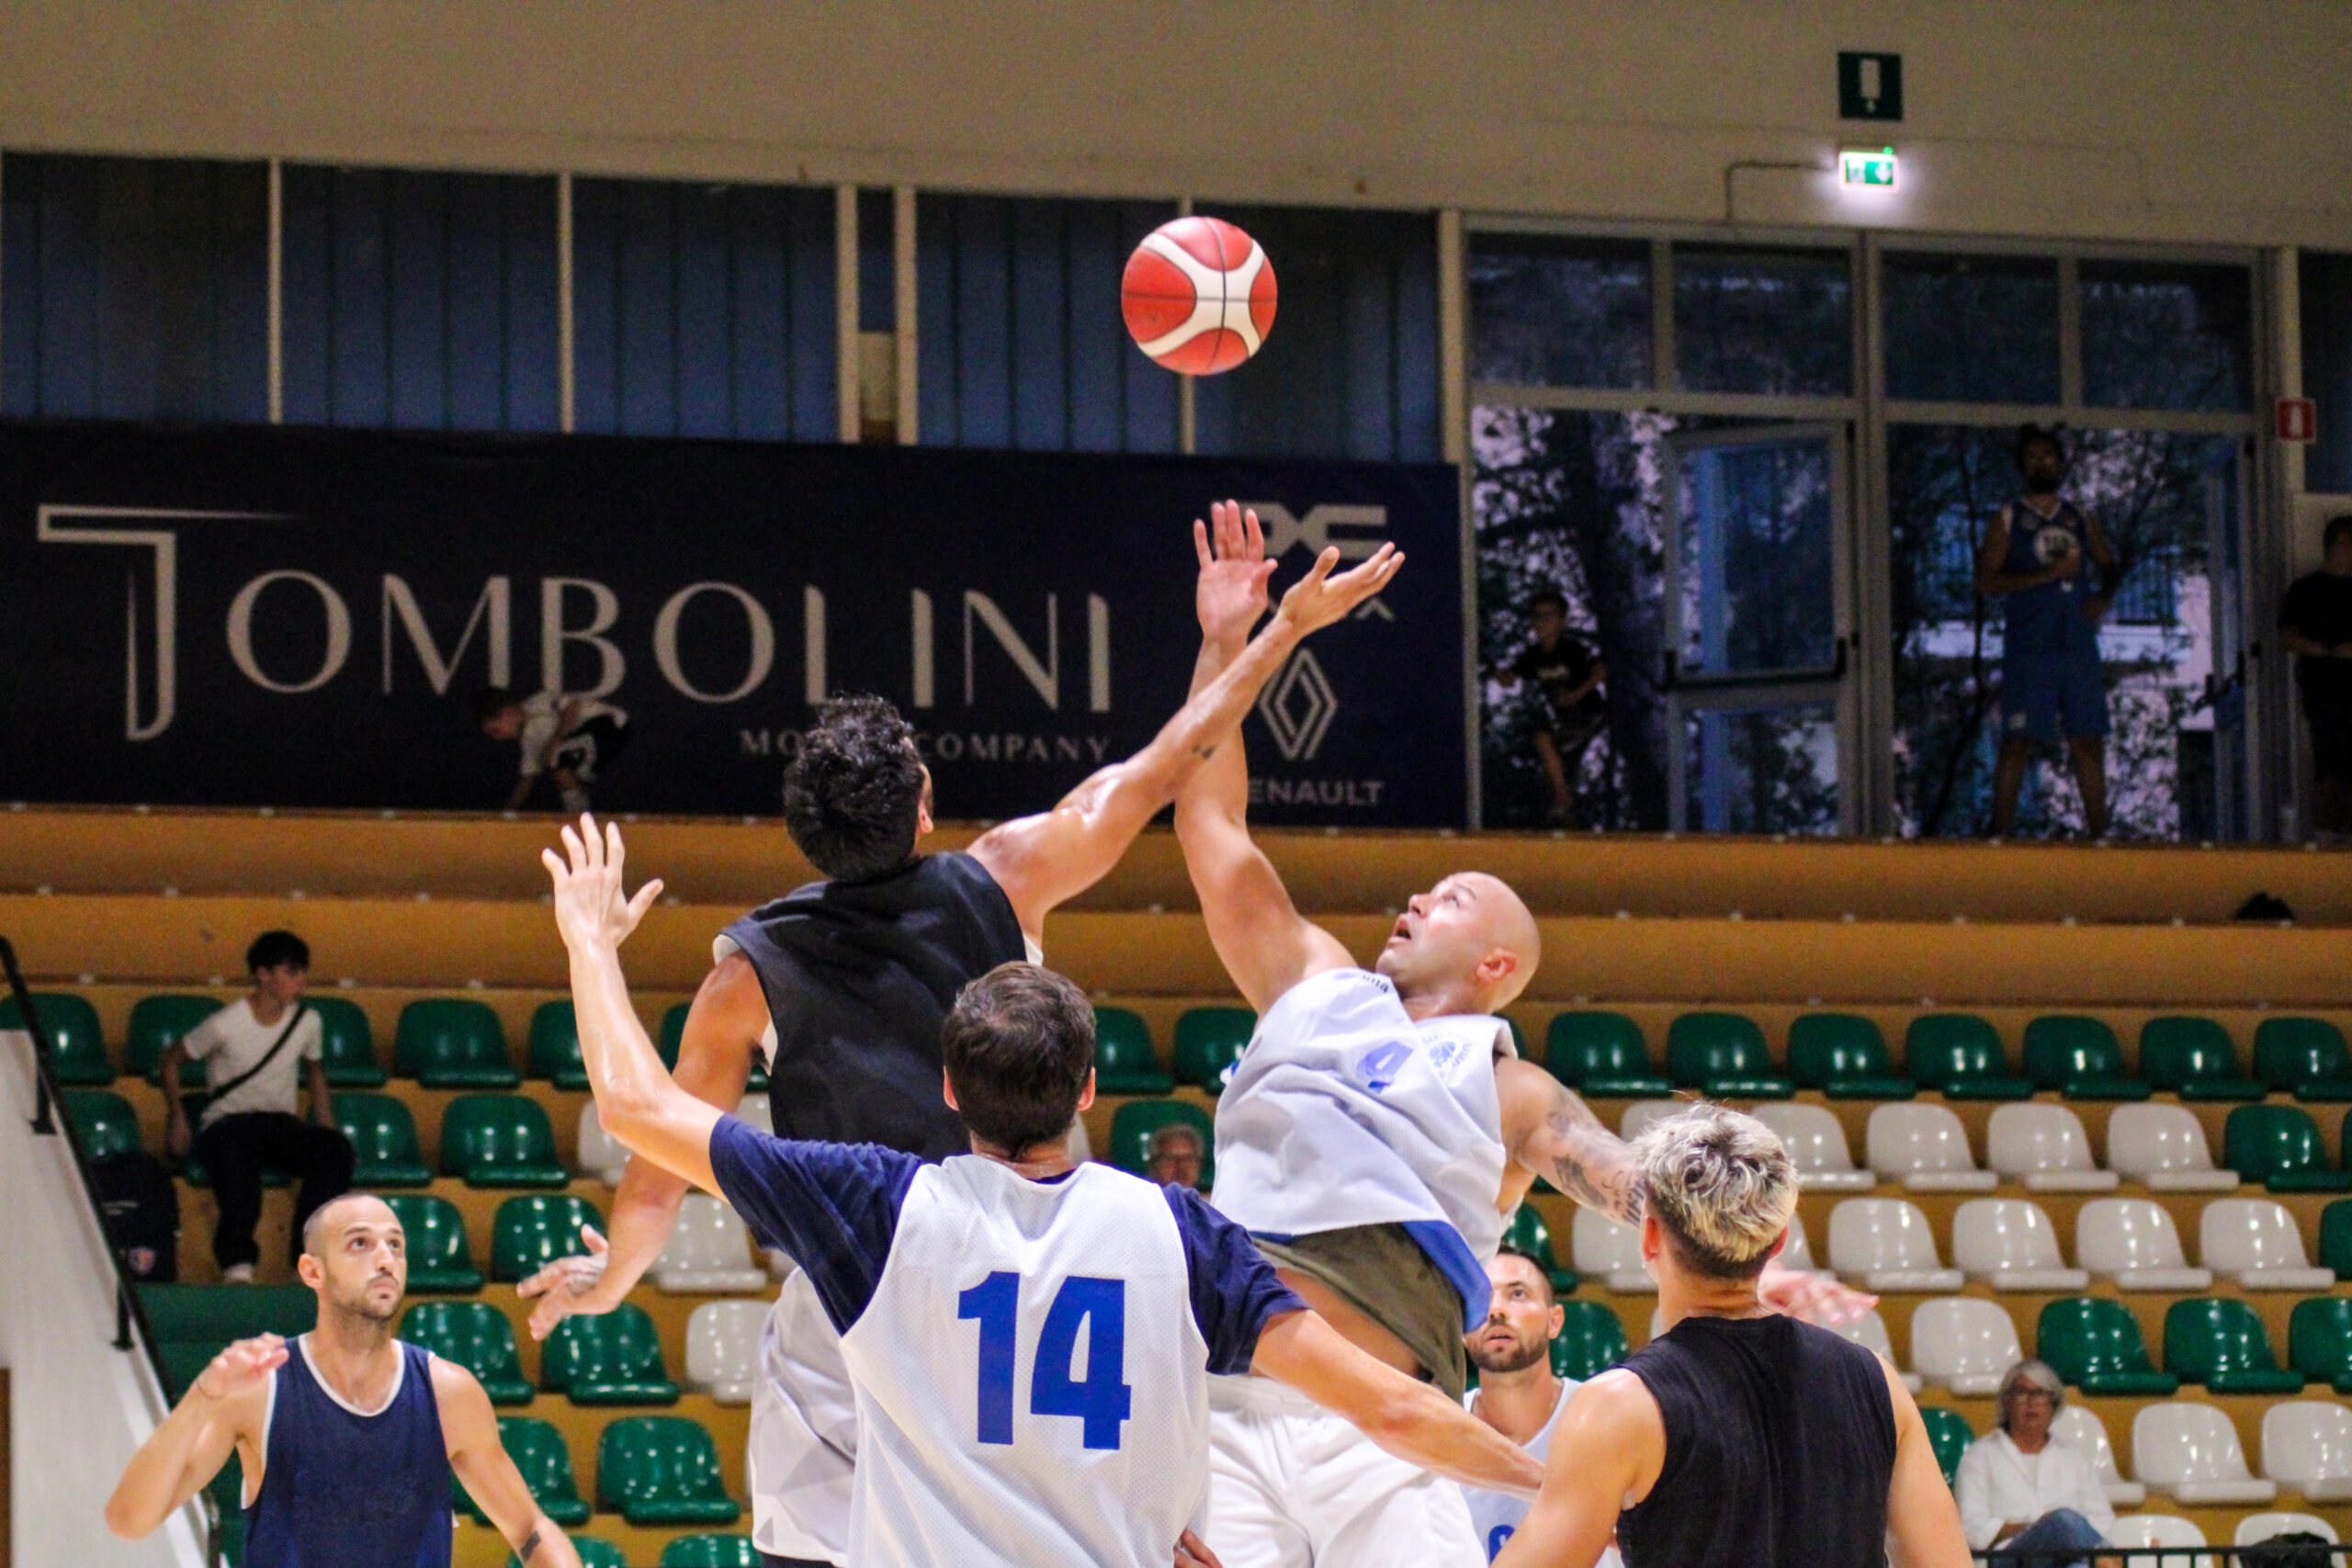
[[849, 410], [565, 332]]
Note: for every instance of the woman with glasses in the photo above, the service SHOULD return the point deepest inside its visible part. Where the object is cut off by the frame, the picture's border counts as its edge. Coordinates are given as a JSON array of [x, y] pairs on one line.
[[2023, 1491]]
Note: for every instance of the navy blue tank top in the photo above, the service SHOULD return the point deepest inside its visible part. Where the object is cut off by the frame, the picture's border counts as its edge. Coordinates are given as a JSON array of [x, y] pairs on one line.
[[342, 1490], [1779, 1447], [2048, 621]]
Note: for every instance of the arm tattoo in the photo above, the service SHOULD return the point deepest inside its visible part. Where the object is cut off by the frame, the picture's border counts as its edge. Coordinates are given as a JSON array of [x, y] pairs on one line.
[[530, 1544], [1592, 1164]]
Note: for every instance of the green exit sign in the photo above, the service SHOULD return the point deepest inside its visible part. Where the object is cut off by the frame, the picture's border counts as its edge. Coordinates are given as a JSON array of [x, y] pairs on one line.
[[1869, 169]]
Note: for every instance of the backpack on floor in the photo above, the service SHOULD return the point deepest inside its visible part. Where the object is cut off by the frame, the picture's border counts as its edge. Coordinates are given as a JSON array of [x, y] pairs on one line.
[[141, 1209]]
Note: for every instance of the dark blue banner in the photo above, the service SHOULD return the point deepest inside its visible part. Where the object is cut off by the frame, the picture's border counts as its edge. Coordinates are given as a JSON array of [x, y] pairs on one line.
[[249, 615]]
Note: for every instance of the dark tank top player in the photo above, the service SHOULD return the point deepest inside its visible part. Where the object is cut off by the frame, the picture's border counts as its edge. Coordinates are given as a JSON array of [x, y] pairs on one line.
[[1738, 1437], [348, 1436]]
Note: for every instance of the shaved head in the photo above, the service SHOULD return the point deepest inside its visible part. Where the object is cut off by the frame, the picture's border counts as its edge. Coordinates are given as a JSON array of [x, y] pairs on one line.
[[356, 1256], [1470, 942], [330, 1217]]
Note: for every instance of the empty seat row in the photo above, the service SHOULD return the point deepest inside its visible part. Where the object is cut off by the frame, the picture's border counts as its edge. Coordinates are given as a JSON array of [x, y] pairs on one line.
[[610, 1358], [701, 1551], [651, 1469]]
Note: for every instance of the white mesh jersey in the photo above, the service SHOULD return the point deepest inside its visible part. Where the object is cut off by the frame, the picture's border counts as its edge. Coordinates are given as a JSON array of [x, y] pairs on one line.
[[1345, 1111], [1497, 1514], [1032, 1386]]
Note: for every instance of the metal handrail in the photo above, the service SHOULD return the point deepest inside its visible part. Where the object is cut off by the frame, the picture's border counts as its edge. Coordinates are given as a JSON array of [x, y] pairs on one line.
[[49, 1121]]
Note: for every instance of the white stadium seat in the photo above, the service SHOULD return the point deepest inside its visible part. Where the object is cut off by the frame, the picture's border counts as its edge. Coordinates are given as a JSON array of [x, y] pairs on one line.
[[2190, 1453], [2044, 1148], [2133, 1242], [601, 1155], [2080, 1426], [1883, 1244], [1612, 1252], [1642, 1112], [2257, 1244], [1816, 1140], [1964, 1344], [2163, 1148], [723, 1349], [2010, 1245], [1869, 1331], [2256, 1529], [1926, 1148], [710, 1252], [2159, 1530], [2307, 1448]]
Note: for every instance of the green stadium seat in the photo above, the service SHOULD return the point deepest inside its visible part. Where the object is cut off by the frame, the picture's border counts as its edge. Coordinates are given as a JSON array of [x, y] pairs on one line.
[[1603, 1055], [662, 1470], [673, 1033], [2319, 1340], [1590, 1340], [593, 1551], [2220, 1343], [500, 1140], [1123, 1062], [2335, 1239], [2194, 1058], [383, 1134], [1958, 1055], [1529, 1234], [531, 1232], [440, 1256], [553, 1052], [613, 1357], [2279, 1147], [2095, 1344], [2079, 1056], [156, 1025], [453, 1043], [477, 1337], [538, 1452], [347, 1044], [710, 1551], [219, 1314], [2303, 1056], [1948, 1434], [104, 1121], [183, 1362], [1133, 1124], [1724, 1055], [1845, 1056], [1209, 1041], [77, 1046]]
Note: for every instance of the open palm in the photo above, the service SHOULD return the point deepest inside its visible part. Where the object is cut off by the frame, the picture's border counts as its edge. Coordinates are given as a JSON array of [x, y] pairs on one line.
[[1231, 593]]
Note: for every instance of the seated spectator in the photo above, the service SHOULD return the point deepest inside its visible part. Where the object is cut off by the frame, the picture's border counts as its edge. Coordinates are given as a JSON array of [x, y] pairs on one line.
[[2315, 622], [1174, 1157], [2022, 1490], [258, 1052], [1570, 707], [570, 741]]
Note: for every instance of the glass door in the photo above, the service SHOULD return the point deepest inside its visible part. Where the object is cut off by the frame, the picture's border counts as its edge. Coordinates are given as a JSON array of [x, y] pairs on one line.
[[1759, 710]]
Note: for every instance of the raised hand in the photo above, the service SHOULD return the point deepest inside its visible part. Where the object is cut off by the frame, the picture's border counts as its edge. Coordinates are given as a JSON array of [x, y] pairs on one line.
[[569, 1284], [241, 1367], [590, 910], [1795, 1293], [1318, 599], [1231, 594]]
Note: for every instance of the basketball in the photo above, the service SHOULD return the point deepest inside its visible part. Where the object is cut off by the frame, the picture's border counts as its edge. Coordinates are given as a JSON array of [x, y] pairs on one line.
[[1198, 295]]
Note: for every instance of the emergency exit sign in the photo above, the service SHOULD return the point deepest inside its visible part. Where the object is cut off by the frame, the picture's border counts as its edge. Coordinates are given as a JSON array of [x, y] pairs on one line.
[[1870, 86], [1866, 168]]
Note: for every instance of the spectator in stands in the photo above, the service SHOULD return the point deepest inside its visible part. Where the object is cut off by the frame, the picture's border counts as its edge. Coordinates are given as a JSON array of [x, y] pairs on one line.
[[258, 1052], [568, 739], [2315, 622], [2020, 1488], [1174, 1157], [1570, 708], [2052, 687]]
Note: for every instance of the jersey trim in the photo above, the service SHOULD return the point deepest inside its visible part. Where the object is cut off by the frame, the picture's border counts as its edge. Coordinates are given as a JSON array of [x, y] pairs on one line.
[[400, 1377]]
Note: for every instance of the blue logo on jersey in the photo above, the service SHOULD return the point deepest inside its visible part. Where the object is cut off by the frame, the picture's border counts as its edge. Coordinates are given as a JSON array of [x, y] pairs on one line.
[[1380, 1063], [1100, 1397], [1495, 1539]]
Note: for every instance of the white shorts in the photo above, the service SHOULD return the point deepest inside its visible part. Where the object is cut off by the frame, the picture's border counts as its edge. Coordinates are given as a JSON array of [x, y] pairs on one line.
[[1292, 1485], [803, 1457]]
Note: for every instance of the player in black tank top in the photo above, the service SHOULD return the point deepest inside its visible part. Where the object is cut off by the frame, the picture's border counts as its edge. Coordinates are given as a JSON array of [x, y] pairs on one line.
[[1738, 1438]]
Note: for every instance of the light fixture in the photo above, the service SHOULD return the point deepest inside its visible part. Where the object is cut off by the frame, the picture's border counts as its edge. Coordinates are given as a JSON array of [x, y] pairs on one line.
[[1866, 168]]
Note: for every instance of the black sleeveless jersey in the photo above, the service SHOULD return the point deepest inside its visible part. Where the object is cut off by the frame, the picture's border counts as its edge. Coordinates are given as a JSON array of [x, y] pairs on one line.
[[1779, 1447], [859, 976]]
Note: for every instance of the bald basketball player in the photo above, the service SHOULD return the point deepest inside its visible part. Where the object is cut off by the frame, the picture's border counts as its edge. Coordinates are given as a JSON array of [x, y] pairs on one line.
[[1373, 1139], [348, 1437]]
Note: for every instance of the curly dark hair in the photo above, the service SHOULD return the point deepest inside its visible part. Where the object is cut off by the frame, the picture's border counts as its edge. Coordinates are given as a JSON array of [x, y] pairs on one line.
[[1018, 1046], [853, 791]]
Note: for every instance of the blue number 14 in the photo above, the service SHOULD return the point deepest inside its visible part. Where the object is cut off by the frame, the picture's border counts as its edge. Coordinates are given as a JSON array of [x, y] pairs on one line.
[[1101, 1398]]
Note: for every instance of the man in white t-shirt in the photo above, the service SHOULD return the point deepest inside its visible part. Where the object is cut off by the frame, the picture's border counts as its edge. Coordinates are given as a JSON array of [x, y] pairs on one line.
[[1517, 1394], [570, 741], [258, 1052]]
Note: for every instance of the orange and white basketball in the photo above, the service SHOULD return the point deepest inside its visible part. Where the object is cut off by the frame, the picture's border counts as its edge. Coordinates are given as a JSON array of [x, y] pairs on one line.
[[1198, 295]]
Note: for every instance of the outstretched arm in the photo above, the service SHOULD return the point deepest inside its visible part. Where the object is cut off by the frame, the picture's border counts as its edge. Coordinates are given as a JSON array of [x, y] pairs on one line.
[[189, 1447], [1040, 861], [1405, 1416], [640, 1104], [470, 1434], [1922, 1521], [1608, 1452]]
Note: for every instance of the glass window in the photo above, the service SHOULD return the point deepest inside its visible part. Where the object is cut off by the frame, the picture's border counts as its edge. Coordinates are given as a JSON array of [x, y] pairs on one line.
[[1972, 329], [2162, 336], [1552, 311], [704, 311], [1756, 554], [2326, 303], [1350, 368], [1761, 770], [422, 301], [1018, 333], [134, 288], [1762, 319]]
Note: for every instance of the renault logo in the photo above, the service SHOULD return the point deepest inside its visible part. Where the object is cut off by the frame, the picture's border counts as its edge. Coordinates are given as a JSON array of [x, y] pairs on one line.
[[1298, 706]]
